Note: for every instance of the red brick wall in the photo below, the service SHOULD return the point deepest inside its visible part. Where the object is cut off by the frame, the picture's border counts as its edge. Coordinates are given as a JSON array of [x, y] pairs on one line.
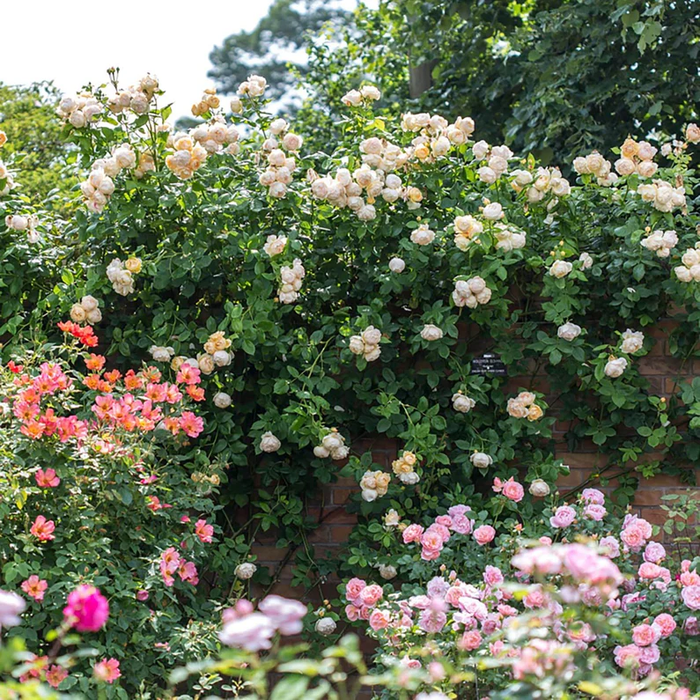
[[658, 367]]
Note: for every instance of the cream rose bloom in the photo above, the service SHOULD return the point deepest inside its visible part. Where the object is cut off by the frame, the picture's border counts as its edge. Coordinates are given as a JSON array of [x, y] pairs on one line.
[[615, 367], [462, 403], [431, 332], [77, 313], [245, 571], [539, 488], [692, 133], [632, 341], [569, 331], [481, 460], [560, 268], [269, 442], [397, 265], [222, 399], [493, 211]]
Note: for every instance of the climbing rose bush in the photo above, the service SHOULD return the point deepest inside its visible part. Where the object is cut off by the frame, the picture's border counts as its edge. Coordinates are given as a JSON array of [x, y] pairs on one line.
[[291, 307]]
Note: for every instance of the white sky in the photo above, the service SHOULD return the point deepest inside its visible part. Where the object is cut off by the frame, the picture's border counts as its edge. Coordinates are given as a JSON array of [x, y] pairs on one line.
[[73, 43]]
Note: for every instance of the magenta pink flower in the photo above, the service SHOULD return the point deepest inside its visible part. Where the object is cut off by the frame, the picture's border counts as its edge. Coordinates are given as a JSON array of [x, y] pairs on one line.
[[87, 609]]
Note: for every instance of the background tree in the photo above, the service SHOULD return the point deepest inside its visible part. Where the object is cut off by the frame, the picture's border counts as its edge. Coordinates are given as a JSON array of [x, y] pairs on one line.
[[273, 48], [555, 77], [34, 138]]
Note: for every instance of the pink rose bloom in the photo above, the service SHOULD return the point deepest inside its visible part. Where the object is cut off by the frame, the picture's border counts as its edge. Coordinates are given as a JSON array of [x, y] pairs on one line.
[[610, 547], [444, 520], [633, 538], [462, 525], [458, 511], [455, 593], [691, 627], [352, 613], [691, 597], [594, 512], [354, 587], [286, 614], [371, 595], [142, 595], [689, 578], [593, 496], [432, 621], [491, 624], [654, 552], [493, 576], [627, 656], [647, 570], [379, 619], [252, 632], [543, 560], [412, 533], [666, 624], [473, 608], [408, 662], [107, 670], [484, 534], [545, 540], [87, 609], [432, 539], [650, 654], [188, 572], [644, 635], [436, 671], [535, 598], [430, 554], [563, 517], [496, 648], [507, 610], [437, 587], [470, 640], [440, 530], [513, 490]]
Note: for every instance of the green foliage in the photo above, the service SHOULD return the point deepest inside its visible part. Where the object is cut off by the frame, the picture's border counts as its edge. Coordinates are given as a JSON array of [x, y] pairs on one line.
[[554, 77], [36, 141]]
